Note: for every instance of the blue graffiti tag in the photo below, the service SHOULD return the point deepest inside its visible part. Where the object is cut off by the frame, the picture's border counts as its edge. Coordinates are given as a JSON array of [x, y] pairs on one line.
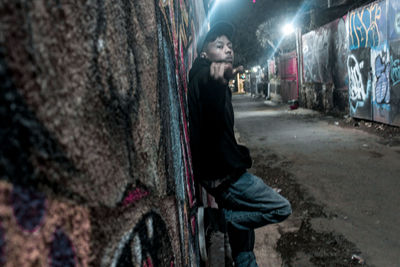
[[395, 71], [382, 93], [363, 25]]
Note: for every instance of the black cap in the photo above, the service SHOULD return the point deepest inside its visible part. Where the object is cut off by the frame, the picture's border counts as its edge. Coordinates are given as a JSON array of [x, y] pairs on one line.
[[218, 29]]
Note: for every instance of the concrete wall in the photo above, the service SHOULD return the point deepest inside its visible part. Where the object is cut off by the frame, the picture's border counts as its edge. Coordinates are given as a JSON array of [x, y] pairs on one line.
[[95, 162]]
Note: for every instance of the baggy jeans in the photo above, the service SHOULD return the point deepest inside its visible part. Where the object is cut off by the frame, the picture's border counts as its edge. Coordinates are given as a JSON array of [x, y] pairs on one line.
[[249, 203]]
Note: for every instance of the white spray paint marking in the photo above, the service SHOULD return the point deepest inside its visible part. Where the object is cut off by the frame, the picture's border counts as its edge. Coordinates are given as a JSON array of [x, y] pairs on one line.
[[100, 44], [356, 86], [137, 250], [149, 225], [119, 249]]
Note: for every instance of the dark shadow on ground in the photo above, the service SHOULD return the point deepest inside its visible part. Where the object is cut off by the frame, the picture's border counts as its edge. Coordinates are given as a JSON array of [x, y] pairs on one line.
[[306, 247]]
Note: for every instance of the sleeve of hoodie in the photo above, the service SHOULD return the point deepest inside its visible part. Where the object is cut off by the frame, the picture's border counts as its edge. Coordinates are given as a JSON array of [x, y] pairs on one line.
[[212, 96]]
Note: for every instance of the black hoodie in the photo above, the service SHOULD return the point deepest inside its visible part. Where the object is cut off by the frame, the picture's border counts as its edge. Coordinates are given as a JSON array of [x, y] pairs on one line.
[[215, 152]]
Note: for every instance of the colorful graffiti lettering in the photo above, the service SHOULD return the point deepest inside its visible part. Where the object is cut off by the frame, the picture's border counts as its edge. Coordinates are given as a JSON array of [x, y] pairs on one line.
[[363, 26], [134, 196], [61, 250], [147, 244], [173, 77], [29, 207], [120, 82], [49, 234]]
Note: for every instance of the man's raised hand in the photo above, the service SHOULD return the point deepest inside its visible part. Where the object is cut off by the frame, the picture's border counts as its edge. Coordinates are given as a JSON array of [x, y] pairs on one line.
[[223, 71]]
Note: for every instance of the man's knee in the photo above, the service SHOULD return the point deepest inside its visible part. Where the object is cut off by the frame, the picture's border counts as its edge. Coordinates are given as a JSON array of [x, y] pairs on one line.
[[284, 211], [280, 212]]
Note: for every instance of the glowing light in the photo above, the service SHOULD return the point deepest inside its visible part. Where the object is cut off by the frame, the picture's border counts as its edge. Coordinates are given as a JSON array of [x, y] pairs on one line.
[[288, 29], [303, 8]]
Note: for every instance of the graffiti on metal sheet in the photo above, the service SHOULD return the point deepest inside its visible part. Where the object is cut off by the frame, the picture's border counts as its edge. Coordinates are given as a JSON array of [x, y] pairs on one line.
[[393, 20], [360, 83], [357, 91], [395, 71], [325, 52], [380, 63], [339, 54], [381, 69], [316, 48], [367, 26], [395, 82]]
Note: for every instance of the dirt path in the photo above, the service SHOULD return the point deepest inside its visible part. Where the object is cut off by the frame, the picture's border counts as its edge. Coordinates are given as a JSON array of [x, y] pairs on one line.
[[343, 183]]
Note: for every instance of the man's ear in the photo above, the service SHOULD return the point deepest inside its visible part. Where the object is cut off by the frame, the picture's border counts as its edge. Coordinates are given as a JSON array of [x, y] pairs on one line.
[[203, 55]]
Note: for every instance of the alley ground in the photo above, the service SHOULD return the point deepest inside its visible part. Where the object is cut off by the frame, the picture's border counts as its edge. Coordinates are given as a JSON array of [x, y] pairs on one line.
[[342, 177]]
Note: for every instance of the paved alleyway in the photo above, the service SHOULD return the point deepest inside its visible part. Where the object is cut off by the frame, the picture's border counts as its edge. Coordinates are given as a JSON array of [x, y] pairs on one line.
[[343, 183]]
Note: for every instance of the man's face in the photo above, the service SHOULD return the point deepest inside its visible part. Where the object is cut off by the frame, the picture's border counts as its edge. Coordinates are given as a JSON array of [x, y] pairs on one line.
[[220, 50]]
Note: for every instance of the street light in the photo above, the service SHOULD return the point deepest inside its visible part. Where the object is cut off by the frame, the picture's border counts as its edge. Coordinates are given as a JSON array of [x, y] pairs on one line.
[[288, 29], [256, 68], [220, 1]]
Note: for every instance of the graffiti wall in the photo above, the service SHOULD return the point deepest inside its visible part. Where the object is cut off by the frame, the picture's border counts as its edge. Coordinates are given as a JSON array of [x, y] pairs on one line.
[[367, 37], [359, 55], [394, 54], [340, 52], [360, 83], [316, 48], [395, 82], [95, 163], [374, 28], [325, 53]]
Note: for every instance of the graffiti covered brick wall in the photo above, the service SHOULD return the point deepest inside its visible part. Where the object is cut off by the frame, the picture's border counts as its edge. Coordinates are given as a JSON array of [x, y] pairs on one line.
[[95, 163]]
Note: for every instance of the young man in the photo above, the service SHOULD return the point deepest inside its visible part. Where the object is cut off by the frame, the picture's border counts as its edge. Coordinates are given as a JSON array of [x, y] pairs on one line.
[[219, 163]]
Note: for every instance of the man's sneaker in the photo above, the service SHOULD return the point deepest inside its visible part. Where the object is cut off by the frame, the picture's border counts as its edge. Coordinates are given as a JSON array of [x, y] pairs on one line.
[[201, 234]]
